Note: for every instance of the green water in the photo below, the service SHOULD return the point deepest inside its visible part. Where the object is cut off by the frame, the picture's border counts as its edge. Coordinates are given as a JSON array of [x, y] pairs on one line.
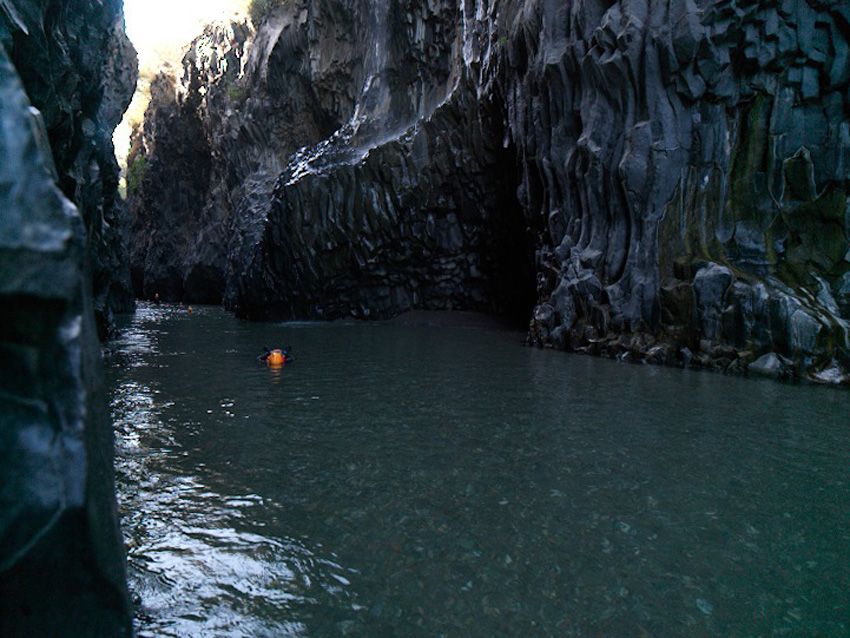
[[419, 480]]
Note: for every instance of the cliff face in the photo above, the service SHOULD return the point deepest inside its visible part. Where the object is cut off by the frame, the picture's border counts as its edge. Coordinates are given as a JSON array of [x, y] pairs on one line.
[[61, 553], [692, 163], [341, 164], [675, 174], [79, 70]]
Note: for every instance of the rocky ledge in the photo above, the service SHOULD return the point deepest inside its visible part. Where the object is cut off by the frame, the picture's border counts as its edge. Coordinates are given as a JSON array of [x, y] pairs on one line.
[[663, 182]]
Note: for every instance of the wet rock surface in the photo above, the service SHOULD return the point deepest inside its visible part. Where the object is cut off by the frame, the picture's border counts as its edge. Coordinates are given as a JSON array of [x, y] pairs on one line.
[[79, 70], [61, 553], [675, 174]]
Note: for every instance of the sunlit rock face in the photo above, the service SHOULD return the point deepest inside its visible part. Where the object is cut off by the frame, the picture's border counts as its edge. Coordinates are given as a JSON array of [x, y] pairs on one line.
[[61, 554], [79, 70], [675, 173]]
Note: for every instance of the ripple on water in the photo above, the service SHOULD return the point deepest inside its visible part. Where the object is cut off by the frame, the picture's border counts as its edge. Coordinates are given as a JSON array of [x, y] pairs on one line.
[[195, 564], [425, 480]]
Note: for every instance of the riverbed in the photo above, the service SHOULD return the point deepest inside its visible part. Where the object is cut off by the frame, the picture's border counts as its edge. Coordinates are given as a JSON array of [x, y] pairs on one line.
[[432, 478]]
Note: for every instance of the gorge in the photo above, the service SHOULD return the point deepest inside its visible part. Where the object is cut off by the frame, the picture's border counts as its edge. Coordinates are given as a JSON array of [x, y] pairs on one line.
[[657, 181], [654, 182]]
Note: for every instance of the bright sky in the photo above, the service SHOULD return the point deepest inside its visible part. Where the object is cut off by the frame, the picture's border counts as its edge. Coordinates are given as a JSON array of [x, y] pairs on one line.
[[161, 30], [158, 27]]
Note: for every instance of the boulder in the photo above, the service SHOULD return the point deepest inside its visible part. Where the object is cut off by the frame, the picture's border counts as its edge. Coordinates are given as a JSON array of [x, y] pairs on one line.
[[768, 365], [832, 374]]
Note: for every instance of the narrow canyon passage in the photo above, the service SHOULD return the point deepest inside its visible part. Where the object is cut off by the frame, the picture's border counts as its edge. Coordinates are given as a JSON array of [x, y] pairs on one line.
[[428, 477], [466, 217]]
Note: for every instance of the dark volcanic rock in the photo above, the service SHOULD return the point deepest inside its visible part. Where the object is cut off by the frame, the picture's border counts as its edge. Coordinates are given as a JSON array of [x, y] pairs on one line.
[[61, 553], [347, 167], [768, 365], [79, 70], [711, 285], [682, 171], [665, 136]]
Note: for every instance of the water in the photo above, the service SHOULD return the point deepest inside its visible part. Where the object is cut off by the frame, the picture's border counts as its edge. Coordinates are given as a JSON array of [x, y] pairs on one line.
[[414, 480]]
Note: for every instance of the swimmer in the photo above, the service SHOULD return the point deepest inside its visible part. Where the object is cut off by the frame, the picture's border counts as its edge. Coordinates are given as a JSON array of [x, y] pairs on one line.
[[277, 357]]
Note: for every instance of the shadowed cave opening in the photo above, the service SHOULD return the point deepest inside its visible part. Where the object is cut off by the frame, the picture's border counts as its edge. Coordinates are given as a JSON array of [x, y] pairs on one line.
[[515, 275]]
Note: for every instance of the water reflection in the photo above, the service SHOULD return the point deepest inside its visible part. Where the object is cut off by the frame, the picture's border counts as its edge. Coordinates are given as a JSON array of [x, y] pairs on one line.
[[201, 562], [404, 480]]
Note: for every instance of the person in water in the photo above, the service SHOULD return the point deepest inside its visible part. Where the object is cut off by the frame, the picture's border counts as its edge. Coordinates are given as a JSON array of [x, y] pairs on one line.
[[276, 357]]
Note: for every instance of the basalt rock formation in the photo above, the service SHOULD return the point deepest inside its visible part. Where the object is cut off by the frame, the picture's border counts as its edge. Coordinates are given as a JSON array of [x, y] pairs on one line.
[[79, 70], [696, 187], [676, 175], [336, 163], [62, 570]]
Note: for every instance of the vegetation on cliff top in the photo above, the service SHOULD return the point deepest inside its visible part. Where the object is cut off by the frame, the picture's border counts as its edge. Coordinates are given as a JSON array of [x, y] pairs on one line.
[[136, 173]]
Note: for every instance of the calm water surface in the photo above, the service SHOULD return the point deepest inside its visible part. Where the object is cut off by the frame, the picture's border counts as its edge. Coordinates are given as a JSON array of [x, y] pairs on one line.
[[413, 480]]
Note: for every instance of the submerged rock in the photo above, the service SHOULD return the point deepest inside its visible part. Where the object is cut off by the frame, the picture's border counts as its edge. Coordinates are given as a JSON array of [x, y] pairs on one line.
[[61, 553]]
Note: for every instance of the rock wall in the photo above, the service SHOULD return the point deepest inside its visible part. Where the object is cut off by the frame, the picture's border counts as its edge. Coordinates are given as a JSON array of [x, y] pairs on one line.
[[675, 174], [79, 70], [62, 570], [692, 163], [341, 164]]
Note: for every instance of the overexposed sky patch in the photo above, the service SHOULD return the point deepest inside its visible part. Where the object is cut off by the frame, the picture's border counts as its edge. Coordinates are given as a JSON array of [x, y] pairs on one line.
[[161, 31], [160, 26]]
